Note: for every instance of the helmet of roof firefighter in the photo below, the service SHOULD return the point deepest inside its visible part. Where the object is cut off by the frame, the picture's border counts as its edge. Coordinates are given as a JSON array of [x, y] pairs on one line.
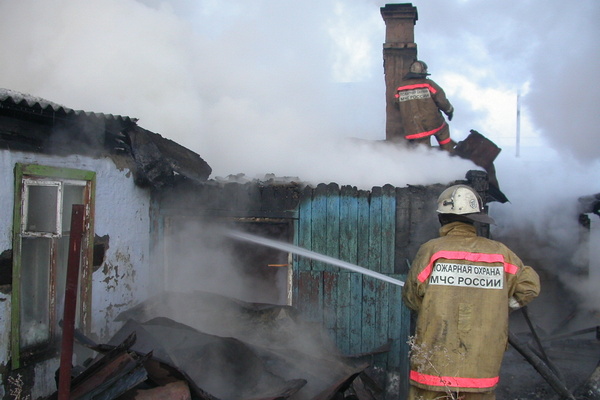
[[418, 67], [463, 200]]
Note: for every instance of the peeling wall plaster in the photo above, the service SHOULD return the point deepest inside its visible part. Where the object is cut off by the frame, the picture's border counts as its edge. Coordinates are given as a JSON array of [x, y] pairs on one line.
[[122, 213]]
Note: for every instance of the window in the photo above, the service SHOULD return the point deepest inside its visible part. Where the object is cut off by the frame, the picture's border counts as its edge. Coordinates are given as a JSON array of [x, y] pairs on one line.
[[266, 270], [42, 218]]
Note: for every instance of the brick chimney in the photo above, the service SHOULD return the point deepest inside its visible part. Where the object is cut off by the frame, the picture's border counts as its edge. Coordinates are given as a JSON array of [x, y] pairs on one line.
[[399, 51]]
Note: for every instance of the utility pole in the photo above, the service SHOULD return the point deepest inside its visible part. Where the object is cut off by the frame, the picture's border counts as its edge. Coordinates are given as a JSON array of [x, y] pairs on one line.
[[518, 123]]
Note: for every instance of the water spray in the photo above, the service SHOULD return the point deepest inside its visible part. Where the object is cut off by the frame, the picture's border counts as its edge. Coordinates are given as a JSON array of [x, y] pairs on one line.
[[309, 254]]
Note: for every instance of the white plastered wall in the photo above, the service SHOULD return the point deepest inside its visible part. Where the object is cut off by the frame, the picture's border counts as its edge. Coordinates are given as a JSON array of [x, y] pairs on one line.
[[122, 213]]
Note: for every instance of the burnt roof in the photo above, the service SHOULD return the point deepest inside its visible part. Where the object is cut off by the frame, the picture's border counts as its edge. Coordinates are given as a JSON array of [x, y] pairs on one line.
[[33, 124], [11, 99]]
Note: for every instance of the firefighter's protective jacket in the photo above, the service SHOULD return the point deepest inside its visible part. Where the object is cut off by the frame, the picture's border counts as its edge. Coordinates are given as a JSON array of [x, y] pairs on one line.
[[460, 285], [420, 101]]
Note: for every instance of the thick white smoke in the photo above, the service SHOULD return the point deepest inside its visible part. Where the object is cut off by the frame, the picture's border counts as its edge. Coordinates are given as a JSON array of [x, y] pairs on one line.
[[254, 88], [541, 223], [279, 87], [546, 50], [270, 74]]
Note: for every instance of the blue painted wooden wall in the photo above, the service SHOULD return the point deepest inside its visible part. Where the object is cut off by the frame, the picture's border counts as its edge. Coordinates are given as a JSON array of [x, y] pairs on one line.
[[361, 313], [379, 229]]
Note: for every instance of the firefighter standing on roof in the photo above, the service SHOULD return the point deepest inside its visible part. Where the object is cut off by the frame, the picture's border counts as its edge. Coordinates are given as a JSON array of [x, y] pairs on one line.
[[462, 287], [421, 101]]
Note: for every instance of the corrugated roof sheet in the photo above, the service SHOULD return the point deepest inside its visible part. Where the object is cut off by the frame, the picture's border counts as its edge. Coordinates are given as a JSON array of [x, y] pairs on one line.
[[159, 161], [9, 97]]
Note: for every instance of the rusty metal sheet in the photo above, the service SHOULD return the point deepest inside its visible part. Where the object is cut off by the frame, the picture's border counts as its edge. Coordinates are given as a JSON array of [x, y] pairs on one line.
[[110, 375], [478, 149]]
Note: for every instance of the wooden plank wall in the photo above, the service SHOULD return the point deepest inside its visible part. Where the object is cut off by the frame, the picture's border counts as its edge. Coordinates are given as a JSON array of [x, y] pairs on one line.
[[416, 221], [380, 229], [361, 313]]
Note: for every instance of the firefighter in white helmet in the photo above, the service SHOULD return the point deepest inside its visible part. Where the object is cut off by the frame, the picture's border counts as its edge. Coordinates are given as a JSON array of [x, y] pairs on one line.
[[421, 101], [462, 287]]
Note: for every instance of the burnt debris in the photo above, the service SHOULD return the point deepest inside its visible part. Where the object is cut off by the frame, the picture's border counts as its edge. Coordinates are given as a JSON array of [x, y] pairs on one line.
[[258, 353]]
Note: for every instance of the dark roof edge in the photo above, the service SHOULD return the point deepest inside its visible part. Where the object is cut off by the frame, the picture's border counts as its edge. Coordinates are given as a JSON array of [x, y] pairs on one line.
[[13, 99]]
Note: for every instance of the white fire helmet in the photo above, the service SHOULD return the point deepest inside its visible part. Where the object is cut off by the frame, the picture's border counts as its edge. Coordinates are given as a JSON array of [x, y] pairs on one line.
[[418, 67], [463, 200]]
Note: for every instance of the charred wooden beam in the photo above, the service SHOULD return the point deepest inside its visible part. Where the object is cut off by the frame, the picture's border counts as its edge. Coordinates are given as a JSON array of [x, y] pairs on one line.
[[110, 362], [590, 389], [575, 333], [541, 367]]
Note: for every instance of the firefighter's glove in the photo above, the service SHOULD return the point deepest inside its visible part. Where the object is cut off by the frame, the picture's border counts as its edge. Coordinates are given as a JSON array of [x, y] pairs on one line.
[[513, 304]]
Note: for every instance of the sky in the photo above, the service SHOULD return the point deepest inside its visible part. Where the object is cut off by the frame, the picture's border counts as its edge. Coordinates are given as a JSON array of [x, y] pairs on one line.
[[233, 78], [296, 88]]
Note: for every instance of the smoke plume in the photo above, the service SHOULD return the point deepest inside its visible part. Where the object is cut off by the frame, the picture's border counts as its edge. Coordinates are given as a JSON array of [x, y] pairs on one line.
[[287, 87]]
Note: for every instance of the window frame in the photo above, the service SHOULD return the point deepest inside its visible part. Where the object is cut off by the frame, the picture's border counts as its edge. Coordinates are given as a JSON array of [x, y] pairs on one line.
[[26, 185], [25, 174]]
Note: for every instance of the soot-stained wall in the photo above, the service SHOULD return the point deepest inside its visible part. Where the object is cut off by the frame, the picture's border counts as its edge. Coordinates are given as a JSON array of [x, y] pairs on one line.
[[380, 229]]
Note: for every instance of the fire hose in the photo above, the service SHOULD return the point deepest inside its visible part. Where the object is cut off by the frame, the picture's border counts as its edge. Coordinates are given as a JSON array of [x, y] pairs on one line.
[[542, 365], [310, 254], [541, 352]]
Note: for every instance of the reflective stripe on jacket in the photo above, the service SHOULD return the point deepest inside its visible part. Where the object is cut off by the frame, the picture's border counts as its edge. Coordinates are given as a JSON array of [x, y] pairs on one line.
[[460, 285], [420, 101]]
